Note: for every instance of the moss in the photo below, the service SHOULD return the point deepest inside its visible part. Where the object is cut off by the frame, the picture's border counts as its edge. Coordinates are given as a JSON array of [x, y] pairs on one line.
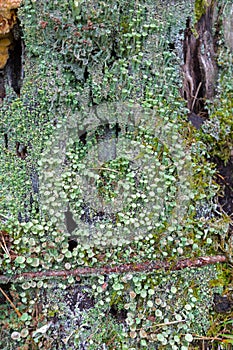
[[200, 8], [103, 53]]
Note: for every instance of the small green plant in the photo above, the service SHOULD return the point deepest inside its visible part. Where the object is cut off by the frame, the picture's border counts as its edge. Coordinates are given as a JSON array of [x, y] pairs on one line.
[[86, 62]]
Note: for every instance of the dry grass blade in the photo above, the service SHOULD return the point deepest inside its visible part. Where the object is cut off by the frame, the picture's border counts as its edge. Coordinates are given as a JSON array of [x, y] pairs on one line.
[[11, 303]]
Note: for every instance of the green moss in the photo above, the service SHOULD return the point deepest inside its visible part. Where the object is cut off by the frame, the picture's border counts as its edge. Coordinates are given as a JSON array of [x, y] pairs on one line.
[[200, 8], [123, 57]]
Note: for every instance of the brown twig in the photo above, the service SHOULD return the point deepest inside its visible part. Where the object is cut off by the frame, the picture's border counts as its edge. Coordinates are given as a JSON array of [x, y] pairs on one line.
[[4, 246], [11, 303], [102, 168], [147, 266], [200, 337], [166, 323], [195, 97]]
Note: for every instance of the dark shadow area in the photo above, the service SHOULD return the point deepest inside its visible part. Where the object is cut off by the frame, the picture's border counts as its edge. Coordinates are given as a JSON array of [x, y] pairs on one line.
[[225, 180], [12, 71], [72, 244], [6, 289], [222, 304], [120, 315], [70, 223]]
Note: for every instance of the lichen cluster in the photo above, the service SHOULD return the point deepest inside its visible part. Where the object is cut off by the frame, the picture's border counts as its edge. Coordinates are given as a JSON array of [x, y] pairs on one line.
[[88, 64]]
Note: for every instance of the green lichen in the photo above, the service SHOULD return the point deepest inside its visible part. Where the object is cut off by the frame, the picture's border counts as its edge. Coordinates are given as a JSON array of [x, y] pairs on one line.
[[96, 56]]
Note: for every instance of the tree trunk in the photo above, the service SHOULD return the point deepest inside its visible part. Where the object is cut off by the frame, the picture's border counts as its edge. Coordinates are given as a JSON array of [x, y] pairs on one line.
[[200, 68]]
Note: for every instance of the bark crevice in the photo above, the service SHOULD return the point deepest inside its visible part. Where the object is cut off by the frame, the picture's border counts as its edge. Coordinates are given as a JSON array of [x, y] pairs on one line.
[[199, 68]]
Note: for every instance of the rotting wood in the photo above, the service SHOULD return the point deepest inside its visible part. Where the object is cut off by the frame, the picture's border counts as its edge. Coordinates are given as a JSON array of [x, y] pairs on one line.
[[11, 47], [148, 266]]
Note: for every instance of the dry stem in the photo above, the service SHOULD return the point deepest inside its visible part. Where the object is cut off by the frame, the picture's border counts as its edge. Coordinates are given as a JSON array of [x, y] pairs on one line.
[[147, 266], [11, 303]]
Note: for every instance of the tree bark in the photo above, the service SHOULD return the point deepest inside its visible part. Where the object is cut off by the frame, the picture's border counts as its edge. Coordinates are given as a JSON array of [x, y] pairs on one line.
[[200, 68]]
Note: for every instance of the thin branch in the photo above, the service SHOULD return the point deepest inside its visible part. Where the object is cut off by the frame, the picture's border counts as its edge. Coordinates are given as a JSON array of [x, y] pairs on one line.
[[200, 337], [195, 97], [166, 324], [11, 303], [4, 217], [147, 266], [4, 246], [102, 168]]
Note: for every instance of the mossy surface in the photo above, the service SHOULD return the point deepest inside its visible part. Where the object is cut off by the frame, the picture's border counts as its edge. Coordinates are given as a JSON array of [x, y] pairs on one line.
[[200, 7], [84, 63]]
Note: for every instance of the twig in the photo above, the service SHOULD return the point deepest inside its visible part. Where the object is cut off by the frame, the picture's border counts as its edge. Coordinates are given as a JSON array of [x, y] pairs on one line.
[[111, 340], [195, 97], [102, 168], [4, 246], [166, 324], [11, 303], [147, 266], [3, 217], [200, 337]]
